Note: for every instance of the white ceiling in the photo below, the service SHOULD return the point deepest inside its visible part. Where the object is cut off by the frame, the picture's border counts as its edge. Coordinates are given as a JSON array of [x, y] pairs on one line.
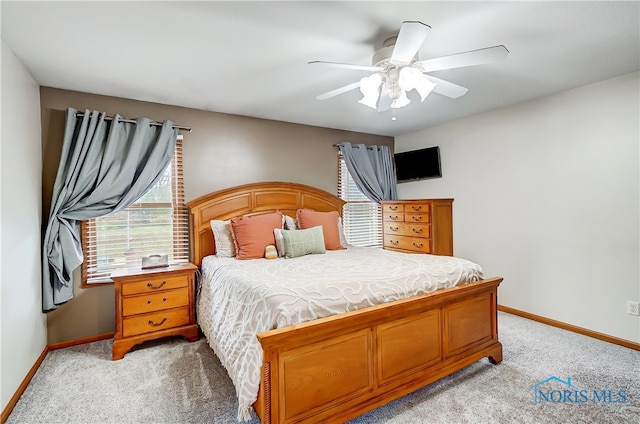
[[250, 58]]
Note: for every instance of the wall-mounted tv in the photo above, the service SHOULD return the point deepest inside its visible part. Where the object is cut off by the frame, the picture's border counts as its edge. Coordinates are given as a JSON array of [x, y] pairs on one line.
[[418, 164]]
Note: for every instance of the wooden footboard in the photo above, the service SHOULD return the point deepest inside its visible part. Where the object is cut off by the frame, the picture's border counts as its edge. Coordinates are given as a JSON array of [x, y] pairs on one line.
[[337, 368]]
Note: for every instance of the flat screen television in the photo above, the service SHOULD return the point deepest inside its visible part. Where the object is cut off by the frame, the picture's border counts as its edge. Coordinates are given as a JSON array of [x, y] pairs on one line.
[[418, 164]]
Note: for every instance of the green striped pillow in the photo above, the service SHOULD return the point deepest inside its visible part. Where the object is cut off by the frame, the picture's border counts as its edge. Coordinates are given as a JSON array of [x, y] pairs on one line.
[[303, 242]]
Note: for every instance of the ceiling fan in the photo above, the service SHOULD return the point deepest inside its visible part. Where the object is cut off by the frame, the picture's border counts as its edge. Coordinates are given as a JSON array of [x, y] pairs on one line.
[[397, 70]]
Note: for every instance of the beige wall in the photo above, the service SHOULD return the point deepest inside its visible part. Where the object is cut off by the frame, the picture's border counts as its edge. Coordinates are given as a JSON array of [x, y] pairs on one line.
[[547, 196], [221, 151], [24, 327]]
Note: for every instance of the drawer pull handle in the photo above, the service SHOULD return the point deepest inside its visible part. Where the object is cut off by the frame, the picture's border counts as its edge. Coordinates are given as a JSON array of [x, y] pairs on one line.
[[394, 228], [151, 286], [418, 245], [393, 208], [416, 218], [153, 324], [394, 242], [416, 208], [394, 217], [417, 230], [148, 302], [164, 299]]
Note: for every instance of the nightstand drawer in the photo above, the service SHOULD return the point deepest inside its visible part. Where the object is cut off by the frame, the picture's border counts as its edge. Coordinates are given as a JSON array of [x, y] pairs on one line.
[[155, 302], [149, 323], [153, 284], [408, 243]]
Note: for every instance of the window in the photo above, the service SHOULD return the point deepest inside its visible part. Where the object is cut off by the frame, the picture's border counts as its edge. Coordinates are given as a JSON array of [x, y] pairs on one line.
[[361, 217], [157, 223]]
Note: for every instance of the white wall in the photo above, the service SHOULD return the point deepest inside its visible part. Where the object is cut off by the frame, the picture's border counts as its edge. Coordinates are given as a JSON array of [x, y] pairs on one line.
[[547, 196], [24, 326]]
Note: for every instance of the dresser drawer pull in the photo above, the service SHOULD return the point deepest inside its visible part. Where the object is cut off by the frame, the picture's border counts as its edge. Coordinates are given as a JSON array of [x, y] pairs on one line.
[[164, 299], [153, 324], [393, 217], [151, 286], [416, 208], [418, 245], [417, 230], [394, 228], [394, 242], [393, 208], [416, 218]]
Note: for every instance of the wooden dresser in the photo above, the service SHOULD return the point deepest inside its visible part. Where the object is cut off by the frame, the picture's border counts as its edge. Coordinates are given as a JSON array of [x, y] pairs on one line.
[[418, 226], [153, 303]]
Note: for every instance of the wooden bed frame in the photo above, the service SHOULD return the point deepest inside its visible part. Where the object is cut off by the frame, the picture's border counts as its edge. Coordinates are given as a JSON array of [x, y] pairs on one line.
[[337, 368]]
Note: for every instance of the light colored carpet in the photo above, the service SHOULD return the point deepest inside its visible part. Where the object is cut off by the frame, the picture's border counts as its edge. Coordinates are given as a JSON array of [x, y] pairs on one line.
[[173, 381]]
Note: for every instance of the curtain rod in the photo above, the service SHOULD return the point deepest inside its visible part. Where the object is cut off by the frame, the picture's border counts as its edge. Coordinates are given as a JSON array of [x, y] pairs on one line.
[[367, 146], [131, 121]]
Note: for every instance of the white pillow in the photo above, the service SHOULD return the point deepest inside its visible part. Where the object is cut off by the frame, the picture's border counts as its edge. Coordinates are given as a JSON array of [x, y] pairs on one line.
[[290, 223], [223, 239], [277, 234], [343, 239]]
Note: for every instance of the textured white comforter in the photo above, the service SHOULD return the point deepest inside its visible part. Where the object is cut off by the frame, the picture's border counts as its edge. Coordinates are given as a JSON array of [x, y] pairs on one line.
[[241, 298]]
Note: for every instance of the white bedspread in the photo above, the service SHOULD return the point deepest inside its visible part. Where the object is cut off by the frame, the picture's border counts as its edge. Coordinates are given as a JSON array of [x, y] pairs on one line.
[[241, 298]]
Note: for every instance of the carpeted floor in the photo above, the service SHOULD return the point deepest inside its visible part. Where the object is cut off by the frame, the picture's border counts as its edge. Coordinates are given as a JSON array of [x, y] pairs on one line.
[[173, 381]]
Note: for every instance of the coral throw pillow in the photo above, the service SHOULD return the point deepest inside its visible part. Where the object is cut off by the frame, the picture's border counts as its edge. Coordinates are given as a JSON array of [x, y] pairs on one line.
[[329, 221], [254, 233]]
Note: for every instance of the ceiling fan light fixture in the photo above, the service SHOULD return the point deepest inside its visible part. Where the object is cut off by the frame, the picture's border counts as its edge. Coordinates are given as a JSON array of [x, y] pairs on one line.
[[370, 89], [408, 78], [400, 99], [412, 79]]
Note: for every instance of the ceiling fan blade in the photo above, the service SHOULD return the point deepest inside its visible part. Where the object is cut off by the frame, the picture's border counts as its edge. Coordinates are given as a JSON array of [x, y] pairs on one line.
[[347, 66], [411, 36], [447, 88], [460, 60], [337, 91]]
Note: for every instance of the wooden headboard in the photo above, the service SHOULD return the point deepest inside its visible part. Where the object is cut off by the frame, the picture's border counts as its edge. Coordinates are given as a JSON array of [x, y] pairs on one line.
[[251, 199]]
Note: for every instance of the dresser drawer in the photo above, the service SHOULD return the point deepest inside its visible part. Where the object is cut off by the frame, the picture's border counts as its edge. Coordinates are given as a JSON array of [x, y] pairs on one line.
[[393, 207], [155, 301], [408, 243], [408, 229], [149, 323], [153, 284], [416, 217], [393, 216], [416, 208]]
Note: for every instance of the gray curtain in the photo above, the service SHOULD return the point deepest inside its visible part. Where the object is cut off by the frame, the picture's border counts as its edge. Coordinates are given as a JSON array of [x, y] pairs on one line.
[[105, 165], [372, 170]]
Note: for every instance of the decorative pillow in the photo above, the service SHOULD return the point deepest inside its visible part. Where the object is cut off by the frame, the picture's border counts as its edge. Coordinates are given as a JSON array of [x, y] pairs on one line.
[[254, 233], [223, 239], [343, 239], [290, 223], [277, 233], [303, 242], [329, 222]]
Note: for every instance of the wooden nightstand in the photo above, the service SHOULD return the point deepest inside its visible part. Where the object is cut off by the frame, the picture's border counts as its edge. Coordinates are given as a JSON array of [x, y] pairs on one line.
[[153, 303]]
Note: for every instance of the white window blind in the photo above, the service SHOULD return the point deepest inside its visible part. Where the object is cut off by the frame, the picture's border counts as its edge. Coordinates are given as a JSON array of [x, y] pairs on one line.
[[361, 217], [157, 223]]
